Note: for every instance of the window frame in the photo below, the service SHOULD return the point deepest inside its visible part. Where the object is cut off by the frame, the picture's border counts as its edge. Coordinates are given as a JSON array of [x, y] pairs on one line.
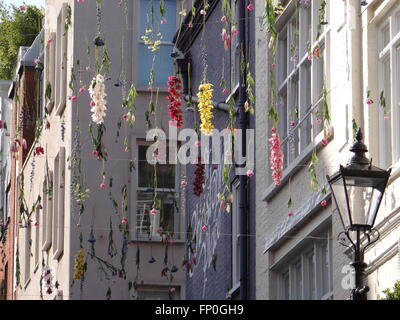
[[312, 249], [301, 135], [47, 212], [177, 192], [58, 205], [50, 72], [140, 42], [61, 61], [389, 51]]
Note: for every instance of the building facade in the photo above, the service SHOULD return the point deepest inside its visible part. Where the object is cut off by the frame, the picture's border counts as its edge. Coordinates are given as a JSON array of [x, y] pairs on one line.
[[344, 55], [214, 254], [84, 190]]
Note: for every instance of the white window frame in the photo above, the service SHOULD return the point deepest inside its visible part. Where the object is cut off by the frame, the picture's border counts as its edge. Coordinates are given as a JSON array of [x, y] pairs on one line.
[[156, 218], [59, 205], [389, 51], [313, 248], [47, 212], [50, 70], [235, 235], [141, 42], [37, 239], [61, 61], [27, 253], [296, 140]]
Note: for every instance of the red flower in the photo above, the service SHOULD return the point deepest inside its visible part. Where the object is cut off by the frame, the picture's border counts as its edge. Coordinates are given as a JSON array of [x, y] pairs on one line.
[[38, 151], [199, 178], [175, 100]]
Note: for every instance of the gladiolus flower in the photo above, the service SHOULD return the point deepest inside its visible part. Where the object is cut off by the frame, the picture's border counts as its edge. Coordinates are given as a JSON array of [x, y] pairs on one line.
[[324, 142], [124, 220], [324, 203], [102, 186], [204, 228], [250, 7], [153, 211], [276, 158], [223, 19], [184, 183]]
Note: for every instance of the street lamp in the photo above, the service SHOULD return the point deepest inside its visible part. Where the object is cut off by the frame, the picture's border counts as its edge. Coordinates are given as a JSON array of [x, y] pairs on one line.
[[358, 189]]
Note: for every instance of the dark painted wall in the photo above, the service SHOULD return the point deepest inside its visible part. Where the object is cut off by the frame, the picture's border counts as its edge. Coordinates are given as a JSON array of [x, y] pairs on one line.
[[213, 245]]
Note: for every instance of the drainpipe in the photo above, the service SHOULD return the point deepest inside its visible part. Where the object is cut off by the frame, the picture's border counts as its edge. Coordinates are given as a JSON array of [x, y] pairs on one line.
[[243, 123]]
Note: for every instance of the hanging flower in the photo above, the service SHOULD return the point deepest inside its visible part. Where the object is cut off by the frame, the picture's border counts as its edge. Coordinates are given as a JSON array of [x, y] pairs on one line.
[[175, 100], [276, 158], [199, 178], [38, 151], [205, 108], [47, 280], [79, 264], [250, 7], [226, 38], [324, 203], [97, 94]]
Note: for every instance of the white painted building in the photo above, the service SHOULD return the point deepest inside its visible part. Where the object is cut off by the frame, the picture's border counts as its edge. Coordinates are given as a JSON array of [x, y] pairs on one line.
[[70, 29], [298, 254]]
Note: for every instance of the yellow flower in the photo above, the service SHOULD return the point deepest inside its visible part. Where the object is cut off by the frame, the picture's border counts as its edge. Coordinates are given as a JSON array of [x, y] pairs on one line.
[[79, 264], [205, 95]]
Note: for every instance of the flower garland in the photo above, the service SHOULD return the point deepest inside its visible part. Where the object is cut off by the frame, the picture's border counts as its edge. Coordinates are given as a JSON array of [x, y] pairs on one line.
[[97, 94], [276, 158], [175, 98], [199, 178], [79, 264], [205, 95]]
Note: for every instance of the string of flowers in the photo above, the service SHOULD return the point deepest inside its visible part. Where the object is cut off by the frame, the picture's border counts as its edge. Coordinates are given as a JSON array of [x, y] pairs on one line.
[[199, 178], [98, 94], [276, 157], [205, 107], [175, 101]]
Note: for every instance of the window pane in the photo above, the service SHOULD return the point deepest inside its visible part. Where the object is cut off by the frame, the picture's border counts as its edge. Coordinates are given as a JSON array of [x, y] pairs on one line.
[[385, 36], [293, 117], [163, 66], [165, 172], [293, 43], [150, 18], [311, 276], [325, 268], [282, 57], [147, 223], [299, 281], [385, 118], [305, 96], [285, 286]]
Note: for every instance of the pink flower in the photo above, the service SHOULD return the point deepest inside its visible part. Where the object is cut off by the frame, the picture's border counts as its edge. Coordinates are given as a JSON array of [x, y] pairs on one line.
[[250, 7], [184, 183], [92, 104], [197, 143], [163, 21], [319, 121], [369, 101], [324, 203], [250, 173], [126, 149], [324, 142], [234, 31], [153, 211], [95, 153], [274, 130], [310, 57], [1, 124], [203, 12], [290, 214], [225, 91], [204, 228], [273, 65], [37, 61], [88, 68], [386, 117], [222, 204], [190, 25], [80, 1], [276, 158], [73, 98], [223, 19], [81, 90], [102, 186], [124, 220], [23, 8], [293, 124]]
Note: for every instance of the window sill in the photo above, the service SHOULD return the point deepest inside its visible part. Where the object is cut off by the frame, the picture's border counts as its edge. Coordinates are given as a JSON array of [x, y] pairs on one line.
[[296, 165], [233, 292]]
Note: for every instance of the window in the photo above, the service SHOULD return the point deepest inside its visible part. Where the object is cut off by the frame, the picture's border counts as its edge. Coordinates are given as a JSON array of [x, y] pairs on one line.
[[235, 236], [157, 293], [309, 275], [389, 79], [49, 84], [150, 20], [166, 190], [47, 211], [37, 226], [300, 78], [61, 61], [27, 255], [235, 47], [58, 204]]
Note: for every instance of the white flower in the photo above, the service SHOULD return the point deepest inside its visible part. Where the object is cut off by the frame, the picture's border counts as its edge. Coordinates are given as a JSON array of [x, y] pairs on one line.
[[97, 94]]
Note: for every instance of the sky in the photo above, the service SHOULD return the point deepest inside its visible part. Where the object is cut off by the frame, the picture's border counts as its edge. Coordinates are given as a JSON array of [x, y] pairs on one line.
[[39, 3]]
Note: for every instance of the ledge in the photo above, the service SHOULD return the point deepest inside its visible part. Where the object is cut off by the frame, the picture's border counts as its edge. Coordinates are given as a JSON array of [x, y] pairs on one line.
[[296, 165]]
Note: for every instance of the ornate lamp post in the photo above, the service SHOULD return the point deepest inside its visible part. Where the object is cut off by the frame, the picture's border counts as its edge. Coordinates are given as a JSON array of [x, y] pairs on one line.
[[358, 189]]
